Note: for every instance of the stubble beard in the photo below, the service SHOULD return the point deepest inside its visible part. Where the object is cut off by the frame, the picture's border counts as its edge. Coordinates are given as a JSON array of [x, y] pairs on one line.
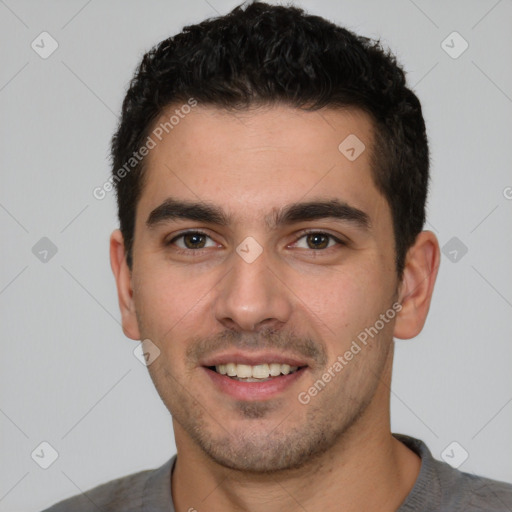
[[270, 437], [276, 436]]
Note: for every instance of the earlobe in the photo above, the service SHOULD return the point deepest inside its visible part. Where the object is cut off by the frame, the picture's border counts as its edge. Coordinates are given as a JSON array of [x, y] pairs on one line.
[[123, 279], [419, 277]]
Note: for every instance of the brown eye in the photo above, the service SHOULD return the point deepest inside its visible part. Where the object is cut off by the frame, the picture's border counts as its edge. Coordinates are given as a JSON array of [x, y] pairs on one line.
[[317, 240], [192, 240]]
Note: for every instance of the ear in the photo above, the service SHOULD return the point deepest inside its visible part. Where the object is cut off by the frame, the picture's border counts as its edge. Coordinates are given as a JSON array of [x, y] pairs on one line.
[[123, 278], [420, 272]]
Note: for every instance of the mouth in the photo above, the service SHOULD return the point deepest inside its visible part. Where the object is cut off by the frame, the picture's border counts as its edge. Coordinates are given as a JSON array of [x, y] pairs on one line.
[[254, 373], [247, 378]]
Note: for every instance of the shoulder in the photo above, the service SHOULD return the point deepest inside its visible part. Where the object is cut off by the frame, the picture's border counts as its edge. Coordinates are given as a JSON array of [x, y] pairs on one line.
[[485, 494], [440, 487], [130, 493], [471, 493]]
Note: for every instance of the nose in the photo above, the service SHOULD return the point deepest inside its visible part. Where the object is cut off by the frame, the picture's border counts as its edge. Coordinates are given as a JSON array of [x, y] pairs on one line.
[[252, 296]]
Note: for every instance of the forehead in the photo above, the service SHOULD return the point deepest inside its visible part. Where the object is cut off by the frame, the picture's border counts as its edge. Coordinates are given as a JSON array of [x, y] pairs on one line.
[[256, 160]]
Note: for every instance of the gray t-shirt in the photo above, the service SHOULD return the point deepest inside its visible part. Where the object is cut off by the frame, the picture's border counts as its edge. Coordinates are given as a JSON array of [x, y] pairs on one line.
[[439, 488]]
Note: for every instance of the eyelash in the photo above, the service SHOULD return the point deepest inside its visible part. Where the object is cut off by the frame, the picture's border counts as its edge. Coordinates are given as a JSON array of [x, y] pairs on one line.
[[302, 235]]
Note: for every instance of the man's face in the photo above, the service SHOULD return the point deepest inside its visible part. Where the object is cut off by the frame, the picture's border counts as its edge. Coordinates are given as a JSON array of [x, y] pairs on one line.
[[263, 275]]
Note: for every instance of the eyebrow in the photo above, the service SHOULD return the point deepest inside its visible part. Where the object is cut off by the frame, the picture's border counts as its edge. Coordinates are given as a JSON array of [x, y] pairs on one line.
[[315, 210], [173, 209]]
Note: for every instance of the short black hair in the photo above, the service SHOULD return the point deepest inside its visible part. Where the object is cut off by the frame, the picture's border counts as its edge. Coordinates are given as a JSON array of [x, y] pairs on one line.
[[261, 54]]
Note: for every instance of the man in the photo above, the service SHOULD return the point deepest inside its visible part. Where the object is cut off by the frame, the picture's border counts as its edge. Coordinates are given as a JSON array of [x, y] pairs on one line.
[[272, 172]]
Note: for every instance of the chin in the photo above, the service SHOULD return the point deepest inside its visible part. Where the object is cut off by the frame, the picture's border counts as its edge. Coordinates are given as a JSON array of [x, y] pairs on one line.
[[266, 450]]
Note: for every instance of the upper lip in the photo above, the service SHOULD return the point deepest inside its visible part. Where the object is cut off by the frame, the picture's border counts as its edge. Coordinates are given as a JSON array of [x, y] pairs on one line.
[[252, 359]]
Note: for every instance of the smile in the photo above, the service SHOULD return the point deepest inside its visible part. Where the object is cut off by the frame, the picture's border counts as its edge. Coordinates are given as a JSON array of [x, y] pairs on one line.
[[265, 387], [254, 373]]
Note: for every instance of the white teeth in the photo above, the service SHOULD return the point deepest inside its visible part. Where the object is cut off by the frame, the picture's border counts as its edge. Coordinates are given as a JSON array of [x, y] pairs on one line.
[[275, 369], [285, 369], [243, 370], [259, 371]]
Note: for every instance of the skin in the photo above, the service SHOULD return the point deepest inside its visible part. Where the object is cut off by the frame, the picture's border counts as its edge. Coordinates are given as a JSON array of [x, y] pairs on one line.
[[301, 300]]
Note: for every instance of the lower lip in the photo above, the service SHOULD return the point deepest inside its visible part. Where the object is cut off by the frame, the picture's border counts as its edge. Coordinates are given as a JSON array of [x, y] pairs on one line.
[[253, 390]]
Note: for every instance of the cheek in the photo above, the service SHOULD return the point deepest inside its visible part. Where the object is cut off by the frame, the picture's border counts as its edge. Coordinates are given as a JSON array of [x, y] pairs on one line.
[[167, 301], [344, 299]]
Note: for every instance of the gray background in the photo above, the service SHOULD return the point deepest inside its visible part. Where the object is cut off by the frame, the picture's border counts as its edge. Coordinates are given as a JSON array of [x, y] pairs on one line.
[[68, 374]]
